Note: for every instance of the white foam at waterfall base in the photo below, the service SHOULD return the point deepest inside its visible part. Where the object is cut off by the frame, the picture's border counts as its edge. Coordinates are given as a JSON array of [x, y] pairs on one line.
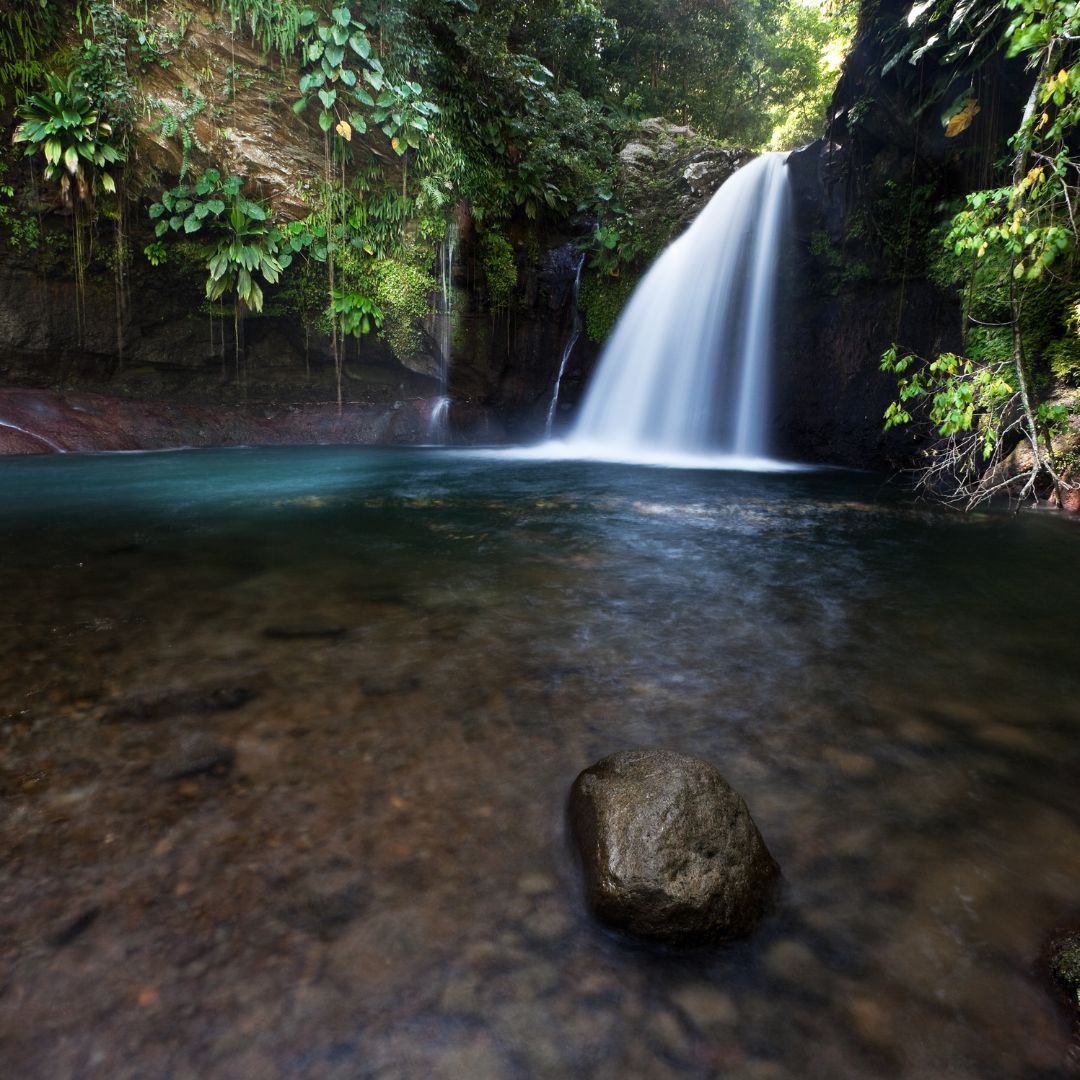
[[685, 377], [561, 450]]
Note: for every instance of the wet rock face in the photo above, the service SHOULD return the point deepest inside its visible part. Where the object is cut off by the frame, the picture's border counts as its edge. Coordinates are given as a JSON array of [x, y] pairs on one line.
[[670, 852]]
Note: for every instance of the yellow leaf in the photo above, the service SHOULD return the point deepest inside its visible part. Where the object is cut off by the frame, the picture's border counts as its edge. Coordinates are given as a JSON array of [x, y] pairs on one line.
[[961, 121], [395, 143], [344, 130], [1043, 121]]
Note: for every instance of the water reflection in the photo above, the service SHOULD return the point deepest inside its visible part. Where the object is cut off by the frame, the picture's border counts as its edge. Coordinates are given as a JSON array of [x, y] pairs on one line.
[[361, 870]]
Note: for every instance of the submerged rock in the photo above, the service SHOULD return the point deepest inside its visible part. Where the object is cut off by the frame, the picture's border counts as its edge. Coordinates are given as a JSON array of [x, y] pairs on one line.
[[163, 704], [195, 755], [669, 850]]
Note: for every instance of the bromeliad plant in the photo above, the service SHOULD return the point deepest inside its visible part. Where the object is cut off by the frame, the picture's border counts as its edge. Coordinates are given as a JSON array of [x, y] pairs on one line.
[[242, 246], [359, 314], [62, 124]]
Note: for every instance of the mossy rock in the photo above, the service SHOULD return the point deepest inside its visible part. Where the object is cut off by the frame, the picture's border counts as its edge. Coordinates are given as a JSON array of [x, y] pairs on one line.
[[1065, 966]]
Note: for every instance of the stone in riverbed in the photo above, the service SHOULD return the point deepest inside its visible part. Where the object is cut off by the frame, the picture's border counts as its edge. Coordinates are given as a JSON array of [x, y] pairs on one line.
[[163, 704], [669, 850]]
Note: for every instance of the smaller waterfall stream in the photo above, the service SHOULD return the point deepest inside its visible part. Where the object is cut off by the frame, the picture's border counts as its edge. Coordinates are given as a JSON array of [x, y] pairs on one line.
[[33, 435], [571, 341], [443, 319], [687, 369]]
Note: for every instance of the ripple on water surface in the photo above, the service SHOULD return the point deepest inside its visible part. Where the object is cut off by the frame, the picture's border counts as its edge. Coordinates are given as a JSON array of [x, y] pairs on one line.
[[288, 736]]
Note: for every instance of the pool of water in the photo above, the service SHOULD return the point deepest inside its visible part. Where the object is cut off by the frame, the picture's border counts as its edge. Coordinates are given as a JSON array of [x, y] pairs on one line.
[[286, 738]]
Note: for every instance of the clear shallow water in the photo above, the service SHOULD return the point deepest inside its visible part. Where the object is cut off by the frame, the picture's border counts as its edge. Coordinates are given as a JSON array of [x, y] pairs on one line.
[[436, 643]]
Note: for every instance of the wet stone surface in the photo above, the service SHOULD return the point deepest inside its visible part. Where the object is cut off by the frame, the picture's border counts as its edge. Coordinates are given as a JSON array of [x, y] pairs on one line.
[[669, 850], [358, 866]]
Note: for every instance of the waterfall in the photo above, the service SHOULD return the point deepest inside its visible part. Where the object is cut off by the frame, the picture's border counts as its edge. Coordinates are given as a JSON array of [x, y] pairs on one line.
[[686, 371], [443, 319], [33, 435], [571, 341], [438, 431]]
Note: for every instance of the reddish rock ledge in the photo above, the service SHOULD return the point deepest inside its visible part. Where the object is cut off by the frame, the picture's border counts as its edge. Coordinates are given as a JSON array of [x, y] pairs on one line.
[[43, 421]]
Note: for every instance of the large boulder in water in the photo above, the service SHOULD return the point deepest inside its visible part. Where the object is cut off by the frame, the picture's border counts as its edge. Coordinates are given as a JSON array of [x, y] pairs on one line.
[[669, 850]]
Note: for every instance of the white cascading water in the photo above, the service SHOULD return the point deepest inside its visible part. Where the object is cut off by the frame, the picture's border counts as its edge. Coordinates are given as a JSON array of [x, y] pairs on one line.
[[686, 370], [571, 341], [33, 435], [443, 329]]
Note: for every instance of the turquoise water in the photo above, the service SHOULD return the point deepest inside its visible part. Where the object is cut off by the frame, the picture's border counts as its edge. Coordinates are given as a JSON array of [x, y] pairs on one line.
[[361, 868]]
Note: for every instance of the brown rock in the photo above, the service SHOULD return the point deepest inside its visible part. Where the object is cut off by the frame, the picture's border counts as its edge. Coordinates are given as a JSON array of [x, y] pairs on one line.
[[669, 850]]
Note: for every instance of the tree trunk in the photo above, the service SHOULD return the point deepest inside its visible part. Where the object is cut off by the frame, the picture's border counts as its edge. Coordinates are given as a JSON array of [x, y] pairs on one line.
[[1041, 464]]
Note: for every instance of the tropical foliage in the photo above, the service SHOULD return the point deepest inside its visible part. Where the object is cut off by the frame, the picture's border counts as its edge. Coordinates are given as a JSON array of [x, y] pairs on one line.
[[513, 110], [1020, 240], [62, 124]]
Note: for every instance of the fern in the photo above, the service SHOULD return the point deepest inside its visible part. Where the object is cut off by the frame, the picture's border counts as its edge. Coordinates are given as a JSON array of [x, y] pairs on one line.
[[273, 24], [23, 38]]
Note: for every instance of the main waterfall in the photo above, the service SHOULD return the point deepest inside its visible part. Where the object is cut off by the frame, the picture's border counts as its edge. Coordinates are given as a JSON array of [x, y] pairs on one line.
[[686, 371]]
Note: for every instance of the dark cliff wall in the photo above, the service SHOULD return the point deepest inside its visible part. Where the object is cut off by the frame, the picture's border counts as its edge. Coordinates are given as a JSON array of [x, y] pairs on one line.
[[163, 343], [215, 100], [872, 197]]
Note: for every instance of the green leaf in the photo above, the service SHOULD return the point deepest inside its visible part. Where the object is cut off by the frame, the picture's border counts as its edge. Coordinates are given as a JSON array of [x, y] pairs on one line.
[[156, 210], [342, 16], [218, 264], [360, 45], [335, 55], [348, 77], [328, 97], [215, 206], [300, 106], [326, 120], [192, 223], [251, 209], [364, 98]]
